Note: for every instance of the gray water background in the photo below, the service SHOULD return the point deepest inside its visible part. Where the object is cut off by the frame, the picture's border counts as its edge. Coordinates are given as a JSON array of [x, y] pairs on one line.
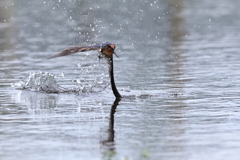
[[178, 68]]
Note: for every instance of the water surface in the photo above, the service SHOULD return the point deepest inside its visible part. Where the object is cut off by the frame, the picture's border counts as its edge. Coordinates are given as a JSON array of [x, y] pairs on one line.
[[178, 69]]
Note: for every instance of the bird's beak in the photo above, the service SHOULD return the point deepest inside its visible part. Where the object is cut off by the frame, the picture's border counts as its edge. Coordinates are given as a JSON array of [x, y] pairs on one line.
[[115, 54]]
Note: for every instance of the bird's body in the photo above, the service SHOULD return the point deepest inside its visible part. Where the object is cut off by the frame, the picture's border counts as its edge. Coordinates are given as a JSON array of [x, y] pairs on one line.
[[106, 50]]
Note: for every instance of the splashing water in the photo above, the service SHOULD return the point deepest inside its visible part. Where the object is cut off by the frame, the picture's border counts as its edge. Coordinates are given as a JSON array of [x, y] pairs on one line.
[[40, 81], [46, 82]]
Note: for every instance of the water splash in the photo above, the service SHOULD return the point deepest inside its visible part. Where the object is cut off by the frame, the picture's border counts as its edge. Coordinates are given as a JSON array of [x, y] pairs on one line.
[[40, 81], [46, 82]]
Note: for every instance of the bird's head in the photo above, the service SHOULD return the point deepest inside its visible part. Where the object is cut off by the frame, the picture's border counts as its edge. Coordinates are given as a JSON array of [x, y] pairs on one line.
[[112, 46], [107, 49]]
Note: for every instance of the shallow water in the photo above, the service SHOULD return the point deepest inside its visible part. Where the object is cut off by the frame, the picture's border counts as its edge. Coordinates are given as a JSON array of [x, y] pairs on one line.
[[178, 70]]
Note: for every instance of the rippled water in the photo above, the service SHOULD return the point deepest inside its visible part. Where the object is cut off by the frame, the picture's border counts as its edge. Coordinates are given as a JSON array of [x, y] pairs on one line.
[[178, 70]]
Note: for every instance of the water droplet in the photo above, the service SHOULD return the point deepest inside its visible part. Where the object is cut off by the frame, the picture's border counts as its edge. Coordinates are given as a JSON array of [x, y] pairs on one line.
[[78, 81], [61, 75]]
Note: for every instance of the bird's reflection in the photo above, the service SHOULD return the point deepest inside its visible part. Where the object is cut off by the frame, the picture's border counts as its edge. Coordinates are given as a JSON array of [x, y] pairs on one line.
[[108, 144]]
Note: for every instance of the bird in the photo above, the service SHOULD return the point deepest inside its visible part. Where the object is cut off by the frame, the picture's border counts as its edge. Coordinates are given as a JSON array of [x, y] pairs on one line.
[[106, 50]]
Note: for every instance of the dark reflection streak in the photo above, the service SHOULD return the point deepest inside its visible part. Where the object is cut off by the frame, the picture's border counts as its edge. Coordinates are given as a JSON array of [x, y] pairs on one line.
[[111, 120], [108, 144], [6, 25], [177, 32], [7, 38], [178, 24]]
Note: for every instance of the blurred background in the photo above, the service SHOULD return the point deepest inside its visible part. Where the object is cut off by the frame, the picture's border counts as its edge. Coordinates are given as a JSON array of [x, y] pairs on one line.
[[178, 69]]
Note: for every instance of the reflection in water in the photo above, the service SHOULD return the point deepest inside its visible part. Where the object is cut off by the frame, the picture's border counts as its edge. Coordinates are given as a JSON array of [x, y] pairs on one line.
[[34, 103], [7, 35], [178, 26], [108, 144], [177, 33], [6, 24]]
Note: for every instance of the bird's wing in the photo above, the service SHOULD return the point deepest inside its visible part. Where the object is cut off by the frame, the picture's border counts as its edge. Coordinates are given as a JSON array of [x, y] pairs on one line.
[[72, 50]]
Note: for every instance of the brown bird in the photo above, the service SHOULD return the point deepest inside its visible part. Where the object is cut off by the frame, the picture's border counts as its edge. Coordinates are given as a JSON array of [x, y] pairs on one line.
[[106, 50]]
